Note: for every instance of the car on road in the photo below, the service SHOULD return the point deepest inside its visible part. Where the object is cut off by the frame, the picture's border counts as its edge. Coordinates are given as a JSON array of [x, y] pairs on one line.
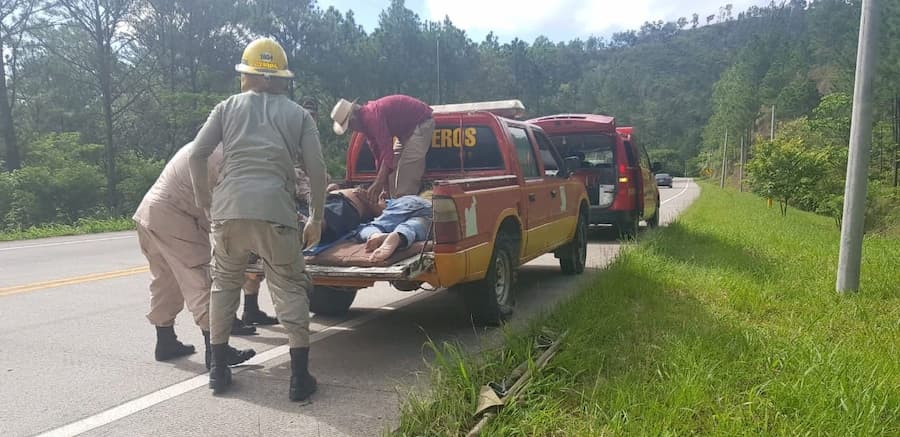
[[614, 168], [502, 196], [664, 180]]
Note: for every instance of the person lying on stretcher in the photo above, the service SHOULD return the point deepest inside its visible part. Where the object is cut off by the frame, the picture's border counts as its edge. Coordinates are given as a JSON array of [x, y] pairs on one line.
[[386, 227], [404, 221]]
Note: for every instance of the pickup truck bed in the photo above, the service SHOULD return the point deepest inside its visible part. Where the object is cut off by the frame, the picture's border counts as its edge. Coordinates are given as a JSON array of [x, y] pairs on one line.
[[350, 260]]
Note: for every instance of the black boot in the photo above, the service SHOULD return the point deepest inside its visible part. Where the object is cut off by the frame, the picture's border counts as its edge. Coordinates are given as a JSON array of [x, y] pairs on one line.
[[303, 385], [253, 315], [219, 373], [168, 346], [239, 328], [233, 356]]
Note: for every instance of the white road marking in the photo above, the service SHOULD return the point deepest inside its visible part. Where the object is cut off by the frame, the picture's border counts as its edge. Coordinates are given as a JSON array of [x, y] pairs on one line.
[[683, 190], [142, 403], [66, 243]]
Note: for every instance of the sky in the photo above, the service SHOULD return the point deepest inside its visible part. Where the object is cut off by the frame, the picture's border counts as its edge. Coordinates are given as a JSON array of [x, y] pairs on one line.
[[559, 20]]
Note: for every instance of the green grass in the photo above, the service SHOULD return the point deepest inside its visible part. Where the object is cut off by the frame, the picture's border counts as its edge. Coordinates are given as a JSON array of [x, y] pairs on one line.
[[724, 323], [82, 226]]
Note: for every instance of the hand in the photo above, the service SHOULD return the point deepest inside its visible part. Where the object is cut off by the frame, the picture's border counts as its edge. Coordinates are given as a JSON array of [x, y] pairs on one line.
[[312, 233], [374, 192]]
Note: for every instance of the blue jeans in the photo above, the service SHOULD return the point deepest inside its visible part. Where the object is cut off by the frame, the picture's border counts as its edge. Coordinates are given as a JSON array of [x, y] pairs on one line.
[[413, 229]]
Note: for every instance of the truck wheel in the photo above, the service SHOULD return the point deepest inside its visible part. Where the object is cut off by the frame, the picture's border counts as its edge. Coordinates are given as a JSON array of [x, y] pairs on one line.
[[628, 226], [490, 300], [331, 301], [574, 257], [406, 285], [653, 222]]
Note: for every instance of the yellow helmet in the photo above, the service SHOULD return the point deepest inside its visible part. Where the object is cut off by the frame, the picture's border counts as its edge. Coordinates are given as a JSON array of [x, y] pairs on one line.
[[264, 57]]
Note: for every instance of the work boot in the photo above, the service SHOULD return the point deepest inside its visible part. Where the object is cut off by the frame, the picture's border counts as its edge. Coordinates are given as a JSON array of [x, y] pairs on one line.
[[239, 328], [233, 356], [303, 385], [257, 317], [253, 315], [168, 346], [219, 373]]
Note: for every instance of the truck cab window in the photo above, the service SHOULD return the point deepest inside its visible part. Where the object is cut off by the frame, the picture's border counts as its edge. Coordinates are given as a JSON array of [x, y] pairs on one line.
[[525, 152], [549, 156], [480, 150]]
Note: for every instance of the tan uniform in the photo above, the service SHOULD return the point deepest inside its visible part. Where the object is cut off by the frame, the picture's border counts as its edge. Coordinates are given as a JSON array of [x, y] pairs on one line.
[[252, 207], [406, 177], [174, 236]]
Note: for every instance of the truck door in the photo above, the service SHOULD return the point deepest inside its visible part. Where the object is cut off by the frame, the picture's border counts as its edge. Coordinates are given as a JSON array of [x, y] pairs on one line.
[[650, 191], [565, 203], [540, 198]]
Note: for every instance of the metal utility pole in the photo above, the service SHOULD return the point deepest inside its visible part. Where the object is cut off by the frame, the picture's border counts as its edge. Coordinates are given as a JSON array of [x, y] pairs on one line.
[[438, 100], [724, 159], [850, 256], [896, 125], [772, 127], [741, 174]]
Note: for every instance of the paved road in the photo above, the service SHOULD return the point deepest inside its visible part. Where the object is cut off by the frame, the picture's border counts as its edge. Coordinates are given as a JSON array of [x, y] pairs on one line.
[[76, 354]]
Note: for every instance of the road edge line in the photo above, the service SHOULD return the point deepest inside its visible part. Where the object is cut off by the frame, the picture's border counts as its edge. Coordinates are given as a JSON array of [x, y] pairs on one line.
[[66, 243], [144, 402], [683, 190]]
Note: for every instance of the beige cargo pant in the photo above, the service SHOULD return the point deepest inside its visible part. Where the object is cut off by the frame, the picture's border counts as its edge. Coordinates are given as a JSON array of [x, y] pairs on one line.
[[279, 247], [406, 179], [179, 271]]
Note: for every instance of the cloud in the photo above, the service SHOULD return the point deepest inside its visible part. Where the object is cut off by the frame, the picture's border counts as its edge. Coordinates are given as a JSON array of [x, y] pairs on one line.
[[503, 16], [568, 19]]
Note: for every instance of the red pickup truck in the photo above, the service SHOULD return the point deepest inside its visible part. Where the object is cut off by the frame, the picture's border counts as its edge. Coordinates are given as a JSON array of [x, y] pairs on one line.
[[613, 166], [502, 196]]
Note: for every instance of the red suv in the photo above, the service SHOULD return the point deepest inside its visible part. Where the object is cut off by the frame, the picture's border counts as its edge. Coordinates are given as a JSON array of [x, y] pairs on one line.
[[615, 169]]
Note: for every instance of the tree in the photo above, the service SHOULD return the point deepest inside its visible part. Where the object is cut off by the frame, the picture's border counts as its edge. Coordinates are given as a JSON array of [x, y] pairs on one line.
[[785, 170], [193, 50], [734, 105], [399, 39], [102, 22], [15, 20]]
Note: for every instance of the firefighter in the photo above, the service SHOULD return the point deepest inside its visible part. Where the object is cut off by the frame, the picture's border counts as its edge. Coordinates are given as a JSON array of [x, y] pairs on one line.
[[252, 314], [264, 135], [403, 117], [174, 236]]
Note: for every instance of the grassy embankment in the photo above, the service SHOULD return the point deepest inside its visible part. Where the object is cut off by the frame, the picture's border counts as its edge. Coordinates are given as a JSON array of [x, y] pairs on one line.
[[84, 226], [725, 323]]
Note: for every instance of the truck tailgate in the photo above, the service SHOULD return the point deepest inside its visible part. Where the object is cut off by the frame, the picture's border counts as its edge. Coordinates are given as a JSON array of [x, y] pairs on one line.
[[405, 269]]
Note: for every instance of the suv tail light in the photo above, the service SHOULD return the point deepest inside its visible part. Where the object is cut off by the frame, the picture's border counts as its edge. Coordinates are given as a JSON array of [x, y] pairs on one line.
[[446, 220], [623, 174]]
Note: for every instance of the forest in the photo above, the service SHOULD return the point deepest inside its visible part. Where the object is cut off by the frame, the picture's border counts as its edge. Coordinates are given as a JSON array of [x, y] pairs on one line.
[[99, 93]]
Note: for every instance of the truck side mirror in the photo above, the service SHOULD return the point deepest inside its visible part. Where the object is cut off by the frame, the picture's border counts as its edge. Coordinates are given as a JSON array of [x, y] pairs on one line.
[[572, 163], [656, 167]]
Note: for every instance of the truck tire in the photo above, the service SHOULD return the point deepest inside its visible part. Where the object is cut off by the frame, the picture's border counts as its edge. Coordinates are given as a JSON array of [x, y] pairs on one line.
[[653, 222], [406, 285], [573, 257], [628, 226], [490, 300], [331, 301]]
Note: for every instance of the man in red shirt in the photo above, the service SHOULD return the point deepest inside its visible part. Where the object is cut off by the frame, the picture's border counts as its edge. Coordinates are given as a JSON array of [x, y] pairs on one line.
[[403, 117]]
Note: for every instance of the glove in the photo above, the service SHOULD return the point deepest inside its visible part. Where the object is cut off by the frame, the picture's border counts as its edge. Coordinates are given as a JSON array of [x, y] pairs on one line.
[[312, 233]]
